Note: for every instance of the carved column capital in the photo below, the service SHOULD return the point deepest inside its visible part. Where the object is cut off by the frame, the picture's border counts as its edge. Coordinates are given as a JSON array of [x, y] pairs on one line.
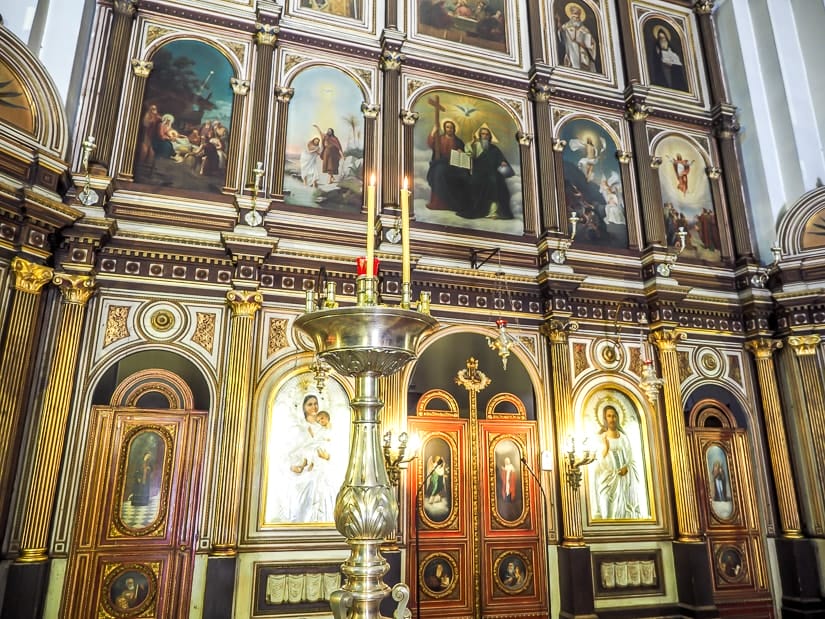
[[391, 60], [284, 94], [726, 125], [804, 345], [128, 8], [77, 289], [244, 302], [666, 339], [541, 91], [557, 329], [409, 118], [239, 87], [524, 139], [703, 7], [655, 162], [559, 144], [624, 156], [763, 347], [370, 110], [637, 110], [266, 34], [142, 68], [713, 172], [30, 277]]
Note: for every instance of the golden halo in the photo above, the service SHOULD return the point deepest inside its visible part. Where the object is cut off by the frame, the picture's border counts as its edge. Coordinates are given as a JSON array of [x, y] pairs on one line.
[[571, 5], [659, 28], [602, 403]]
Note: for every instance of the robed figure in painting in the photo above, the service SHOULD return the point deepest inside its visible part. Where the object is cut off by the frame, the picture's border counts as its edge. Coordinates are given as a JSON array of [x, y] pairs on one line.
[[489, 195], [448, 182], [616, 470]]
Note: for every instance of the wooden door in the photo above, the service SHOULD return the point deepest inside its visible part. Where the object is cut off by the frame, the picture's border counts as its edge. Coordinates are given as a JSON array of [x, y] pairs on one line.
[[133, 549], [475, 513]]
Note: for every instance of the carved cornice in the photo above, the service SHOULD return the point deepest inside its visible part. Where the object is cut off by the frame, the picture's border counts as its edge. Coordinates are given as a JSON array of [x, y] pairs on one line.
[[77, 289], [30, 277]]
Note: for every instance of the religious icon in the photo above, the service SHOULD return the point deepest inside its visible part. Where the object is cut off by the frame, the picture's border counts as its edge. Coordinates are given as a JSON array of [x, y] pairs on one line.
[[509, 496], [307, 451], [467, 164], [129, 589], [480, 23], [352, 9], [435, 493], [687, 199], [617, 478], [325, 143], [577, 37], [730, 564], [184, 135], [593, 184], [143, 483], [720, 492], [665, 55], [438, 575], [512, 572]]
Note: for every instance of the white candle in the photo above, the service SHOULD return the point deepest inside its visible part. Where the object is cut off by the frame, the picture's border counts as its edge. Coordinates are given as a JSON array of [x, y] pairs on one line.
[[371, 226], [405, 232]]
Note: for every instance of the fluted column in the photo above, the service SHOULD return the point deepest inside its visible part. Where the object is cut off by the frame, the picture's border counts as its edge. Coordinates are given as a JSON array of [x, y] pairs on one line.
[[625, 157], [141, 70], [266, 36], [710, 52], [231, 454], [391, 60], [541, 92], [29, 279], [51, 432], [762, 350], [108, 105], [528, 182], [650, 191], [371, 111], [232, 183], [723, 221], [408, 120], [283, 96], [557, 331], [687, 509]]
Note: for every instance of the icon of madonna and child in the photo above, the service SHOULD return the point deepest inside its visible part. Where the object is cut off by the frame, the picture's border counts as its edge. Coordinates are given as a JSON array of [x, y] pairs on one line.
[[306, 452]]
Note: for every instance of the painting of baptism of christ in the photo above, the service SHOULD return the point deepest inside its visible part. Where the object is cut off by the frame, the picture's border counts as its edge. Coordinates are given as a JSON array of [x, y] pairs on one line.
[[467, 164], [184, 135], [325, 142], [687, 199]]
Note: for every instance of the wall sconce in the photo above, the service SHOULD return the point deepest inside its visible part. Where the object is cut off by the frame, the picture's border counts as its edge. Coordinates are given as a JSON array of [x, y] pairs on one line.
[[761, 277], [559, 255], [574, 461], [649, 381], [663, 268], [253, 217], [87, 196], [394, 456]]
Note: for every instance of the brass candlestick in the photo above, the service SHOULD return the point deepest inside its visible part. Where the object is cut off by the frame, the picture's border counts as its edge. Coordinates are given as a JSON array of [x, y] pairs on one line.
[[366, 341]]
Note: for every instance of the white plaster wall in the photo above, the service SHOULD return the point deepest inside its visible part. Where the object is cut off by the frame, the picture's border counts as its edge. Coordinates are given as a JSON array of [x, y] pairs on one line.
[[772, 54]]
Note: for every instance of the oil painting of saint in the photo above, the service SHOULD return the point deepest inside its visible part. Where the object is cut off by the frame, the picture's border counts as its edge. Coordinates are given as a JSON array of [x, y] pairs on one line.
[[467, 164], [325, 142], [352, 9], [593, 185], [577, 37], [665, 55], [184, 132], [618, 483], [687, 199], [143, 483], [436, 492], [512, 573], [307, 450], [129, 591], [719, 486], [480, 23], [509, 499]]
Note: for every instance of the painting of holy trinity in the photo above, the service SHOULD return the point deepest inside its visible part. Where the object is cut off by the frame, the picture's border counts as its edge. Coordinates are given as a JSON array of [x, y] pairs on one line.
[[325, 141], [593, 184], [687, 199], [481, 23], [183, 140], [467, 164]]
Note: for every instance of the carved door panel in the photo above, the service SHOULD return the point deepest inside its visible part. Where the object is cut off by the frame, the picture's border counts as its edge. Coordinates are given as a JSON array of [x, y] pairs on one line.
[[133, 548], [474, 515], [729, 511]]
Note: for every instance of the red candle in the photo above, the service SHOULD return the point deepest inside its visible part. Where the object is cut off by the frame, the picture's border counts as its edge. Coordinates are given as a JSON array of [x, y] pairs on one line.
[[362, 266]]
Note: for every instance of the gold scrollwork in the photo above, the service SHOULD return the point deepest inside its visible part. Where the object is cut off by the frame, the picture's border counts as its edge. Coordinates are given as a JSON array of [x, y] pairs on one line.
[[277, 339], [804, 345], [204, 335], [422, 408], [75, 288], [116, 324], [244, 302], [492, 413], [30, 277]]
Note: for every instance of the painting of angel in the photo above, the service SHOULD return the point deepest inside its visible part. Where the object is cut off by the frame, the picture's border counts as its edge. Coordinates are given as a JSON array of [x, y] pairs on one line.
[[325, 142], [593, 185]]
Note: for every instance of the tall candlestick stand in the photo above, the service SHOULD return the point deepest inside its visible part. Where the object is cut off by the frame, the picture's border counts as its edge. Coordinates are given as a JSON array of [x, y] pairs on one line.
[[366, 341]]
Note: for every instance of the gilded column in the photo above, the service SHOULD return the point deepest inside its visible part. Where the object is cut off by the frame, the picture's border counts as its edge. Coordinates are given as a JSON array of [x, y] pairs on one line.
[[54, 414], [141, 70], [231, 453], [283, 96], [391, 60], [804, 347], [29, 279], [108, 105], [557, 332], [650, 191], [266, 36], [541, 92], [687, 509], [240, 89], [762, 350]]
